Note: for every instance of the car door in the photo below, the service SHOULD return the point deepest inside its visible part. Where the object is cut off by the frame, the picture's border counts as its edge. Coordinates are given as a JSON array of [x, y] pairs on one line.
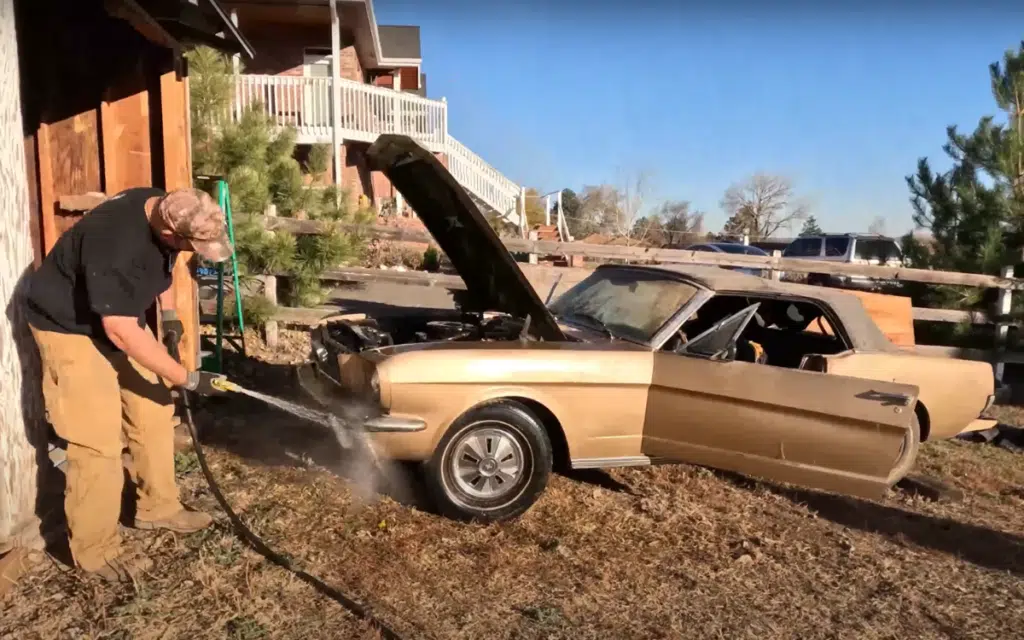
[[817, 430]]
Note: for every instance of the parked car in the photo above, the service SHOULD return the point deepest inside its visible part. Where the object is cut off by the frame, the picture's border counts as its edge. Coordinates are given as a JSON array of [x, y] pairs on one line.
[[631, 366], [732, 247], [849, 248]]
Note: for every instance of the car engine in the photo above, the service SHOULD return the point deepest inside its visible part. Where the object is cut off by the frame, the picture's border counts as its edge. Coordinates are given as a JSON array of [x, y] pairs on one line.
[[346, 336]]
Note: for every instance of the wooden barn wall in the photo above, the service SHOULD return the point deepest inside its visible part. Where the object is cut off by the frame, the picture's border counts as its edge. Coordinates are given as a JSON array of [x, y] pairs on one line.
[[105, 111]]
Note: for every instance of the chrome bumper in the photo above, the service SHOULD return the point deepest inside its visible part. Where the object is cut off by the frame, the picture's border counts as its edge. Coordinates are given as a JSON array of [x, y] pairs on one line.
[[393, 424]]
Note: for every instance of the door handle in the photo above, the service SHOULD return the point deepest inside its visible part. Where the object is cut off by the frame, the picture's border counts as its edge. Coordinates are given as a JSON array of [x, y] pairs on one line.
[[887, 399]]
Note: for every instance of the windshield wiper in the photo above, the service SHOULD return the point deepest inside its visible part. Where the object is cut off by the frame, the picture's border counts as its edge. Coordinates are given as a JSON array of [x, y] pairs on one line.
[[590, 321]]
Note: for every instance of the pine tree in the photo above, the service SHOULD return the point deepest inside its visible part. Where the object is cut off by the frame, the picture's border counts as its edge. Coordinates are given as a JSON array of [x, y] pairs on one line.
[[811, 227], [975, 211], [258, 162]]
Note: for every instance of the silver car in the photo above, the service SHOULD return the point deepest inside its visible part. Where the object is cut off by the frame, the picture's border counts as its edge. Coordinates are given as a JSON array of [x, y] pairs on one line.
[[849, 248]]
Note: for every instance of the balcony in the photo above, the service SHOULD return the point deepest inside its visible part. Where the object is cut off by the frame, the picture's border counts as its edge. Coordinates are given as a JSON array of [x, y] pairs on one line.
[[305, 103]]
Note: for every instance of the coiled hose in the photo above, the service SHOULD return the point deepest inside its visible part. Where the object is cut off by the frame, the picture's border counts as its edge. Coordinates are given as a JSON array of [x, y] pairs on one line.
[[247, 535]]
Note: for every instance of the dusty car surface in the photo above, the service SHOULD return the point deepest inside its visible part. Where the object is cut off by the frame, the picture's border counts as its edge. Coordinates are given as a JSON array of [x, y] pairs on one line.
[[633, 365]]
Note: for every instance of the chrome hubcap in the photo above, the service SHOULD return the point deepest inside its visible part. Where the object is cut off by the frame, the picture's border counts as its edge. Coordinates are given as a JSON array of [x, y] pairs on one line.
[[487, 463]]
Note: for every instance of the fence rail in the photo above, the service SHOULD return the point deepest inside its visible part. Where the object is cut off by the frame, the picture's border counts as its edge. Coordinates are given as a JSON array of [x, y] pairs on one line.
[[1005, 283]]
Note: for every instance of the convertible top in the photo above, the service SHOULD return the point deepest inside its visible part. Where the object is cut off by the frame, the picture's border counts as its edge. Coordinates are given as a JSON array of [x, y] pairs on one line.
[[861, 328]]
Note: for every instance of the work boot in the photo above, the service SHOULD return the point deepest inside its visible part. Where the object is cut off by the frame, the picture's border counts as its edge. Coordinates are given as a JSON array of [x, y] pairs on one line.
[[124, 568], [184, 521]]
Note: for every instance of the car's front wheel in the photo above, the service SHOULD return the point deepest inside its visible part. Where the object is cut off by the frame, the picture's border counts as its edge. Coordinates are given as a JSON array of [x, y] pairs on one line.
[[491, 465]]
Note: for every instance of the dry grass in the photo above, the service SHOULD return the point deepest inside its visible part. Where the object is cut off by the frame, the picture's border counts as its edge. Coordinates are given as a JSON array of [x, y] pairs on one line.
[[667, 552]]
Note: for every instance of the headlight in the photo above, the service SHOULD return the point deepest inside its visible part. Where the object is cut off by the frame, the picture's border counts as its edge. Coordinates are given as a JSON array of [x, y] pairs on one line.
[[375, 385]]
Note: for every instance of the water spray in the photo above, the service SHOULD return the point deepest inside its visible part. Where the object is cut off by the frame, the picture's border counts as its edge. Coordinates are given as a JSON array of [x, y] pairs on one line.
[[244, 532]]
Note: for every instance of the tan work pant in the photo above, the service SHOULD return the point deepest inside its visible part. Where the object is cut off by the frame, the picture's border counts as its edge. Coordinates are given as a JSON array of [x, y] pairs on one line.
[[91, 400]]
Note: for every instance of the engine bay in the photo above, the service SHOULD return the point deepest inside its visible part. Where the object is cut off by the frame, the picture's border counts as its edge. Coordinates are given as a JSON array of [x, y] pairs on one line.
[[354, 336]]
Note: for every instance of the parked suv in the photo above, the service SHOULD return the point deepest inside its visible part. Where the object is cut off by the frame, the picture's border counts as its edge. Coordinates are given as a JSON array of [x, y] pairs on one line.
[[851, 248]]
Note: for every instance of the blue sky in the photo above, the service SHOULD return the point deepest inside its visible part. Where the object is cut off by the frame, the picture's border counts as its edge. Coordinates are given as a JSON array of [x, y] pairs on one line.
[[841, 100]]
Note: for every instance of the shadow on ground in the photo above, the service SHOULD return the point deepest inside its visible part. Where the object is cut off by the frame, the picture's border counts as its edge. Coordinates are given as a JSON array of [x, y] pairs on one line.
[[980, 546]]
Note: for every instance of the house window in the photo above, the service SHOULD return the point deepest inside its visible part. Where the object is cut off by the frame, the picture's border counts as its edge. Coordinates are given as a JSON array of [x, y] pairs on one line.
[[316, 63]]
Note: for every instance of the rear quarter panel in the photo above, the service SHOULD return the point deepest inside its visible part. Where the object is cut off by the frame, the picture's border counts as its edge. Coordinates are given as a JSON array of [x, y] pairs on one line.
[[953, 391], [597, 393]]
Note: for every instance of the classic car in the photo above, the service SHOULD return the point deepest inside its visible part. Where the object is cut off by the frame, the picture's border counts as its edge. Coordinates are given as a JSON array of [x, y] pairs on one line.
[[633, 365]]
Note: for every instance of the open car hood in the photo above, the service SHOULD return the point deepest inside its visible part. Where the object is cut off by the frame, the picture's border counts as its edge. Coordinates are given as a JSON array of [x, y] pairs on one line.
[[493, 280]]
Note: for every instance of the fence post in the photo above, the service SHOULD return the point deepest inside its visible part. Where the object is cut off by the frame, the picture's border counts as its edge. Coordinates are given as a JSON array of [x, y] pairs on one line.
[[775, 274], [533, 256], [1004, 304], [270, 293]]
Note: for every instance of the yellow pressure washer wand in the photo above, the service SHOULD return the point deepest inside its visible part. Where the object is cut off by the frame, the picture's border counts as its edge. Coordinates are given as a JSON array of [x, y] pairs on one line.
[[246, 534]]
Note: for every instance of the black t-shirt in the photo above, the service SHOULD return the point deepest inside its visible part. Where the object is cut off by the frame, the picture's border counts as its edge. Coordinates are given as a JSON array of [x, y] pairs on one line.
[[110, 263]]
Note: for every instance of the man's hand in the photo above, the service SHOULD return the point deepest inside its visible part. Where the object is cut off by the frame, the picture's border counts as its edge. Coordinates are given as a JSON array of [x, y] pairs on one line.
[[201, 382], [172, 328]]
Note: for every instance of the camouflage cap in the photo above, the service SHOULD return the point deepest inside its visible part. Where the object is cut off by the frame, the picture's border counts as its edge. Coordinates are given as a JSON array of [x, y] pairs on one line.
[[194, 216]]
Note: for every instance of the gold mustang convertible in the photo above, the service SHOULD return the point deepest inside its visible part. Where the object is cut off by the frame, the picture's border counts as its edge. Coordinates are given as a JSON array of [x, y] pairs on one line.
[[632, 365]]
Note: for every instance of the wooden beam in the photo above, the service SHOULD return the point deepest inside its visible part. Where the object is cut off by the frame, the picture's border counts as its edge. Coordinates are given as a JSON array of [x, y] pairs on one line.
[[47, 200], [178, 175]]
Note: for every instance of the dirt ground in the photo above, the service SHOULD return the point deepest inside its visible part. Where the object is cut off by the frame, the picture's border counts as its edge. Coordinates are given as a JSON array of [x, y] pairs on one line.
[[665, 552]]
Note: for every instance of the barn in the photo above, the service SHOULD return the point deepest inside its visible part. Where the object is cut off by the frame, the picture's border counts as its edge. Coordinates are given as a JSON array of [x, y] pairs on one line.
[[93, 100]]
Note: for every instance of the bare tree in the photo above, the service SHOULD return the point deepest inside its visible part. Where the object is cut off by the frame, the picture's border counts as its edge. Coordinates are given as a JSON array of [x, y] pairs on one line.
[[681, 224], [631, 202], [761, 205], [877, 226]]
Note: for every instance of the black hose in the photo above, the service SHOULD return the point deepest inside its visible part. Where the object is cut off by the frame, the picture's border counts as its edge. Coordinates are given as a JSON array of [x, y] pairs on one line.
[[247, 535]]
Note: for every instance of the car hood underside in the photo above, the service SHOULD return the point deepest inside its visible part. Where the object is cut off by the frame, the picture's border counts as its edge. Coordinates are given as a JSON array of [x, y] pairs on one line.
[[493, 280]]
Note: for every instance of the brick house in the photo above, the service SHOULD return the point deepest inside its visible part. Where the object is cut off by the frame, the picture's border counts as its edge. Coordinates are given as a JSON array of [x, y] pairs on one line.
[[378, 87]]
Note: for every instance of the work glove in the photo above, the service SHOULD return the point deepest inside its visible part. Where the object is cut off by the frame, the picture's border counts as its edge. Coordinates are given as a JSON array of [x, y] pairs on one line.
[[172, 329], [201, 382]]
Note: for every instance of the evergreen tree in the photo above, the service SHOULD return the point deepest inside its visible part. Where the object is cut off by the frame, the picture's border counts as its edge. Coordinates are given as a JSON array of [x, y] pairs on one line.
[[258, 162], [975, 211], [811, 227]]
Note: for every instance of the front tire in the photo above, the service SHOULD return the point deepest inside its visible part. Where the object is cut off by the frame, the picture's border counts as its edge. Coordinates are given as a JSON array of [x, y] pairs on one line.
[[491, 465]]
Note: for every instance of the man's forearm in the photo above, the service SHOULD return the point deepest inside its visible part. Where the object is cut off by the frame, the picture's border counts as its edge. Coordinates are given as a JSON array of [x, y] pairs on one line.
[[140, 345]]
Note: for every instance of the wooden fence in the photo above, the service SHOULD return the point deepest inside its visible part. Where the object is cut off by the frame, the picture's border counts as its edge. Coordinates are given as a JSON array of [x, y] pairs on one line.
[[1005, 283]]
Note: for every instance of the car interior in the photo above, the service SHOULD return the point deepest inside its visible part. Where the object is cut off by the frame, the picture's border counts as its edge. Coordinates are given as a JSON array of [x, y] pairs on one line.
[[781, 332]]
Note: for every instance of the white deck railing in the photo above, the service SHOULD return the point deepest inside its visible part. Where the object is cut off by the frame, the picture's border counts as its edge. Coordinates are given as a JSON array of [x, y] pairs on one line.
[[366, 112]]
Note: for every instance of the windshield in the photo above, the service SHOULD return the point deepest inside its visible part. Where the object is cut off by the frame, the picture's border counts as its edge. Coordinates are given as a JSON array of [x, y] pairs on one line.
[[626, 303]]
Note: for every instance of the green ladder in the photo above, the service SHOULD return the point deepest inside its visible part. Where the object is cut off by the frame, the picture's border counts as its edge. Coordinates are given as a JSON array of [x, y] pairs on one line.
[[214, 360]]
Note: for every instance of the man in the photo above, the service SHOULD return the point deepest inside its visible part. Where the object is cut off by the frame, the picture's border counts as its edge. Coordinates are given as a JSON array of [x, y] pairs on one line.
[[102, 367]]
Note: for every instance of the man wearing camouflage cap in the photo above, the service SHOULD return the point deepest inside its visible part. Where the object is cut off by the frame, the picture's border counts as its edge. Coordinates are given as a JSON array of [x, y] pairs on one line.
[[102, 367]]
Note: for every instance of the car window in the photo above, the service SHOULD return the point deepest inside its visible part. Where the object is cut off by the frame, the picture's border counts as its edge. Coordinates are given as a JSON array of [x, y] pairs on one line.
[[754, 251], [631, 304], [880, 250], [836, 247], [700, 247], [719, 338], [733, 248], [803, 248]]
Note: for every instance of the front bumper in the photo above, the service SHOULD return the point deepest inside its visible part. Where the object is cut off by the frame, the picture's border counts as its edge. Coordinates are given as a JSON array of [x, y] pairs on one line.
[[328, 393]]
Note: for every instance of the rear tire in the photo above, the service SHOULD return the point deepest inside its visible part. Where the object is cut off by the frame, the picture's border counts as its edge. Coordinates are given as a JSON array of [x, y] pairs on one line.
[[908, 454], [491, 465]]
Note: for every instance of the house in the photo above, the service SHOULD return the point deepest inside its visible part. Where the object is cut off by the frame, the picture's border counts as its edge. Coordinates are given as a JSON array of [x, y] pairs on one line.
[[377, 86], [94, 100]]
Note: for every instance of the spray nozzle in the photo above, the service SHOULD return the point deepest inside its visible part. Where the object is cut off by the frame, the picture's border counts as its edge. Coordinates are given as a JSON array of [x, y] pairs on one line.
[[223, 384]]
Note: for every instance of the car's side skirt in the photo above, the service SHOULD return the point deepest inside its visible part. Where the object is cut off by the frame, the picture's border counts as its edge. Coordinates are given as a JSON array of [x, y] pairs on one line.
[[625, 461]]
